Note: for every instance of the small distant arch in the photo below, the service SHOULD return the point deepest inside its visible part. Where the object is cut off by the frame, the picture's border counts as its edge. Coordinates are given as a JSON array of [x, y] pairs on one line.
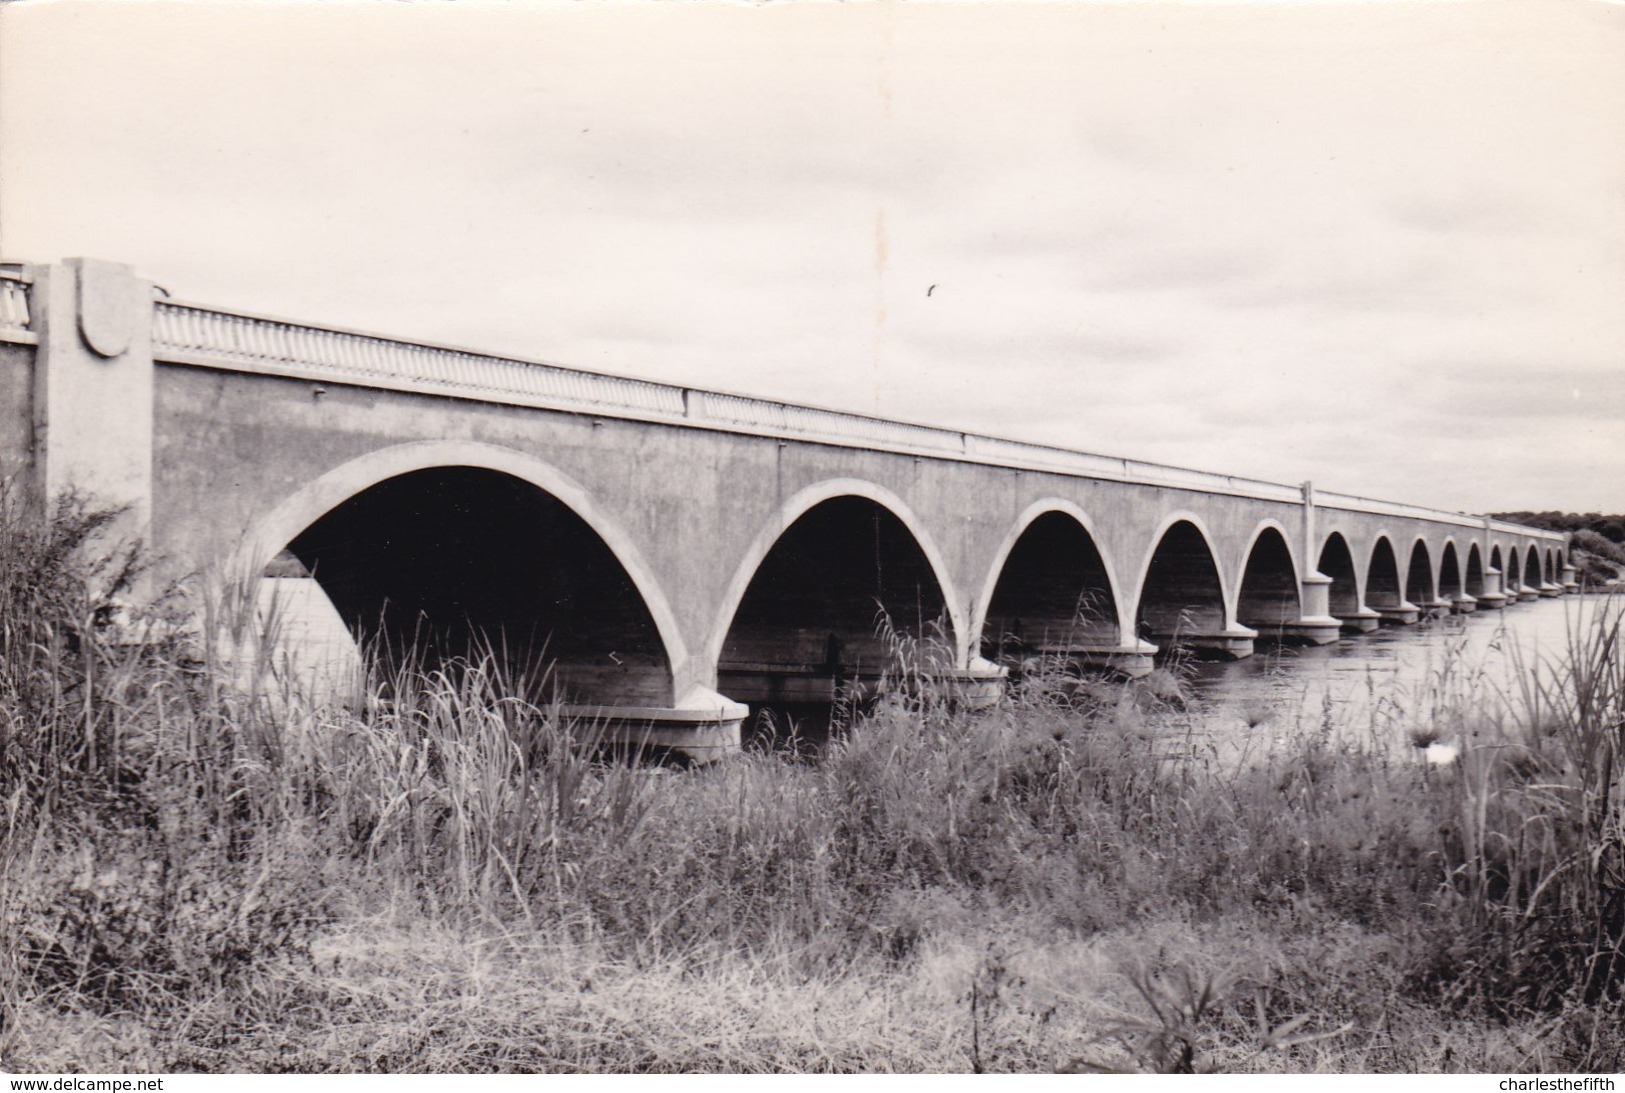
[[1451, 585], [1382, 587], [1475, 572], [1419, 586]]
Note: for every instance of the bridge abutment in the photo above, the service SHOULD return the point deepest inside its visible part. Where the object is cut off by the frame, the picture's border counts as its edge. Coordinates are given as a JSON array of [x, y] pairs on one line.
[[93, 388]]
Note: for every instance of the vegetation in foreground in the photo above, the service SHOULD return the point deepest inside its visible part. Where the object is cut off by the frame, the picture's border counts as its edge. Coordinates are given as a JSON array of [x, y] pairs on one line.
[[197, 875]]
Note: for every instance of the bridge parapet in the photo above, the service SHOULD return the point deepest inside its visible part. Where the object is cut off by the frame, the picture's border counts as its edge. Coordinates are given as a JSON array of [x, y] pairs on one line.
[[190, 333]]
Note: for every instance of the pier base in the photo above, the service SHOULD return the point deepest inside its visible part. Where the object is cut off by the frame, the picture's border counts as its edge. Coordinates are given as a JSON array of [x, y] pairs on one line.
[[1232, 644], [1130, 660], [1362, 621], [1313, 630], [703, 728]]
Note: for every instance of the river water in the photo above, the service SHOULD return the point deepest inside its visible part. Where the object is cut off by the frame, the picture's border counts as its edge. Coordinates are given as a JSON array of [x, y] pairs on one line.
[[1392, 682]]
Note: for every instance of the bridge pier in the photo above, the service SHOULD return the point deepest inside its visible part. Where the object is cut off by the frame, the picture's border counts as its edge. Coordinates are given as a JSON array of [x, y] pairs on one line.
[[1316, 626], [1403, 613], [703, 726], [1464, 604], [1362, 621], [979, 685], [1571, 578], [1492, 598], [1231, 643], [1130, 658], [1550, 591]]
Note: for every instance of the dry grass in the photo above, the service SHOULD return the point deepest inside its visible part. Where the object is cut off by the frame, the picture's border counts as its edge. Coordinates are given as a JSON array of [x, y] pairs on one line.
[[200, 870]]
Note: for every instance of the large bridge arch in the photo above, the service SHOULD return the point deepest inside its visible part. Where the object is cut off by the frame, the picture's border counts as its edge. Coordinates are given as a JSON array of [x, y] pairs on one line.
[[1346, 594], [1181, 588], [1268, 586], [800, 505], [1096, 575], [329, 493]]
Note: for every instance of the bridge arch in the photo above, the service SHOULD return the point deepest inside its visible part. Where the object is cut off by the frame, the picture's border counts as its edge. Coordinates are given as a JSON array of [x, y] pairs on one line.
[[1474, 580], [896, 531], [1029, 581], [1181, 587], [1344, 596], [1514, 571], [449, 464], [1268, 593], [1420, 587], [1531, 568], [1382, 586], [1450, 584]]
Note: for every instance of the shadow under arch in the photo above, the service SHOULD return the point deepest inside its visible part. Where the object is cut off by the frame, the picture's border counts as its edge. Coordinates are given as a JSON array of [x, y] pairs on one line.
[[1531, 568], [1514, 571], [1269, 597], [1419, 585], [1050, 588], [1337, 562], [799, 621], [332, 522], [1451, 585], [1382, 588], [1473, 582], [1181, 592]]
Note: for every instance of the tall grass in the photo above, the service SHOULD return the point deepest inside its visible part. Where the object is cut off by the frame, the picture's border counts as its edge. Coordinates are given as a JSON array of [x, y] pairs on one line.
[[191, 842]]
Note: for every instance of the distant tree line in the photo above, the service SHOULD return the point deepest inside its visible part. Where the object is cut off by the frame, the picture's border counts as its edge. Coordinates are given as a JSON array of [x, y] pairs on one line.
[[1598, 541], [1611, 528]]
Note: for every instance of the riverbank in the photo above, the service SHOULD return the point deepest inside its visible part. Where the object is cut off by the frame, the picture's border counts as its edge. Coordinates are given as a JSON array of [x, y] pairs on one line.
[[196, 877]]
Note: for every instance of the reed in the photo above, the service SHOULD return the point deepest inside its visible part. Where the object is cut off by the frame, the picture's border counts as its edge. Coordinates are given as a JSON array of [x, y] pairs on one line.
[[202, 866]]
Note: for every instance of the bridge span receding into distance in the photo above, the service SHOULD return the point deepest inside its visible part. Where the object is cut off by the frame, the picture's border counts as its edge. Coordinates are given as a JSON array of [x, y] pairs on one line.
[[675, 553]]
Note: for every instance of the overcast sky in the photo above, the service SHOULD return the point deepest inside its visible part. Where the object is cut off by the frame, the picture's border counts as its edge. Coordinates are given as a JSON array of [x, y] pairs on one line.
[[1378, 245]]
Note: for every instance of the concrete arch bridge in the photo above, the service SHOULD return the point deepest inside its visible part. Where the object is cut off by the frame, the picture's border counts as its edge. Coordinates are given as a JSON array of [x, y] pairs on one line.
[[677, 553]]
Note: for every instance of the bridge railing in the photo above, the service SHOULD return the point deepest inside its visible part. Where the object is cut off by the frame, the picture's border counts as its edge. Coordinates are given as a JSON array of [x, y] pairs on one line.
[[213, 336], [195, 334], [14, 317]]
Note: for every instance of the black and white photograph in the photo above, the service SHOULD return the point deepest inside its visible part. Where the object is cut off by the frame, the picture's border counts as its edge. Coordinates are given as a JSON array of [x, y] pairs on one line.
[[799, 537]]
